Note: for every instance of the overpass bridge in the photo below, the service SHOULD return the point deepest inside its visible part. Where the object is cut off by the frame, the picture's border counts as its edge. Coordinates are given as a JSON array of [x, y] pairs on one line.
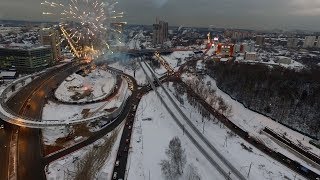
[[12, 117], [139, 52]]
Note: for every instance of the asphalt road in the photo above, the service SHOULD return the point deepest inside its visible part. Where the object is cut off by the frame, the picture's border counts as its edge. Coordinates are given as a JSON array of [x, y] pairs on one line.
[[128, 114], [30, 162], [124, 147], [5, 135]]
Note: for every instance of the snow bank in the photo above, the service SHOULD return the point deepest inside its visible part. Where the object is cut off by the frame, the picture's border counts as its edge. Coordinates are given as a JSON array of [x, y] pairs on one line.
[[99, 82]]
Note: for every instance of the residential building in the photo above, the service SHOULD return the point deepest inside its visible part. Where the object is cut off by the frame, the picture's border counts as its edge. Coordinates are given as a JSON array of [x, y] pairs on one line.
[[260, 40], [225, 50], [51, 37], [160, 32], [25, 58], [292, 42], [318, 42], [309, 41], [251, 56], [247, 47]]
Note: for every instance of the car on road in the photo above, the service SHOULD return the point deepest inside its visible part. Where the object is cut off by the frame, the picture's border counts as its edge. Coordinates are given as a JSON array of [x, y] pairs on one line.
[[117, 163], [129, 127], [1, 126], [147, 119], [127, 140], [115, 175]]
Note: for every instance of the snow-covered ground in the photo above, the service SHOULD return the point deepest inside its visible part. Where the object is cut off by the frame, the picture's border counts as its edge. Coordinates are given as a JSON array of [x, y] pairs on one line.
[[253, 123], [161, 70], [99, 82], [135, 42], [263, 167], [126, 68], [74, 112], [174, 58], [59, 169], [151, 138], [294, 65]]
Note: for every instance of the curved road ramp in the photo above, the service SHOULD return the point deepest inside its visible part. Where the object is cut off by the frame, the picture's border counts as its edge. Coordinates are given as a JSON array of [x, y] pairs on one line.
[[12, 117]]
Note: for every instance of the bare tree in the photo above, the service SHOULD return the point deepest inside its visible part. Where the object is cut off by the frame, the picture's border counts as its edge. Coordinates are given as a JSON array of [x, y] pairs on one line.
[[166, 169], [192, 173], [173, 167]]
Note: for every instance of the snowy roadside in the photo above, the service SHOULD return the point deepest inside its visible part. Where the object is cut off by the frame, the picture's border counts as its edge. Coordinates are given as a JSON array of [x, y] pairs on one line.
[[64, 167], [233, 147], [138, 75], [253, 123], [151, 138], [178, 58]]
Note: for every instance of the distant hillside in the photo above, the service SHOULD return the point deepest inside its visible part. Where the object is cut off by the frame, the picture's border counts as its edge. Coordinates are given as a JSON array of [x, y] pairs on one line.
[[22, 23]]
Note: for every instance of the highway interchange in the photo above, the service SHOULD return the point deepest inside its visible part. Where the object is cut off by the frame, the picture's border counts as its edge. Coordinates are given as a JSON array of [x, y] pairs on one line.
[[30, 101]]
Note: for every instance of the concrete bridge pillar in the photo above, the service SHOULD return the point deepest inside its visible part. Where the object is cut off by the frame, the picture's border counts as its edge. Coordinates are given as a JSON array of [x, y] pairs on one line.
[[13, 88]]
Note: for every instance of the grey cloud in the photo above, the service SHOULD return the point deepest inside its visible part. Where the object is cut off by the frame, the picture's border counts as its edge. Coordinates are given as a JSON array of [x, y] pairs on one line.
[[259, 14]]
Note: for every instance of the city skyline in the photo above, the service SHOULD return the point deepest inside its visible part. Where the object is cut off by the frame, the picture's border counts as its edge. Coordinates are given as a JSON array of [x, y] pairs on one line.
[[253, 14]]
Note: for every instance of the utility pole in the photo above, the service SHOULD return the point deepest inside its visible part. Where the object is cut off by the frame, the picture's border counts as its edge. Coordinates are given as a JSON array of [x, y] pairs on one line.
[[183, 129], [225, 142], [203, 127], [249, 169]]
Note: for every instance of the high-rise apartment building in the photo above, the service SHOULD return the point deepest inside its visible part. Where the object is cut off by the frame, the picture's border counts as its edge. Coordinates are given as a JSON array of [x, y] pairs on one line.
[[318, 42], [292, 42], [25, 58], [160, 32], [309, 41], [260, 40], [51, 37]]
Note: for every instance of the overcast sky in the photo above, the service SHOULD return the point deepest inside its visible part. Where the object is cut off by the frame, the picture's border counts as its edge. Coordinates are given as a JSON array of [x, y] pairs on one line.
[[255, 14]]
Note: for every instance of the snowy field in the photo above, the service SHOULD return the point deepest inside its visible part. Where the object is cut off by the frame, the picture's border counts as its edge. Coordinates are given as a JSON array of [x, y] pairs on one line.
[[151, 138], [99, 83], [58, 170], [73, 112], [126, 68], [253, 123], [178, 58]]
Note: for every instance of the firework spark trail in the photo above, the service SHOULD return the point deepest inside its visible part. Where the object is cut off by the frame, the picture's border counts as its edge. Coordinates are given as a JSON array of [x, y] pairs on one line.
[[85, 24]]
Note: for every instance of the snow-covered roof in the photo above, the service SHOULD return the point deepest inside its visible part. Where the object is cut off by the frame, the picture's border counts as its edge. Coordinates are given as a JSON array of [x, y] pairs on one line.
[[251, 53], [23, 46], [8, 73]]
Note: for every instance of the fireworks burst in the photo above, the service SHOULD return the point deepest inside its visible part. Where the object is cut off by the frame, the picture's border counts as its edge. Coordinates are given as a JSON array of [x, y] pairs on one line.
[[84, 24]]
